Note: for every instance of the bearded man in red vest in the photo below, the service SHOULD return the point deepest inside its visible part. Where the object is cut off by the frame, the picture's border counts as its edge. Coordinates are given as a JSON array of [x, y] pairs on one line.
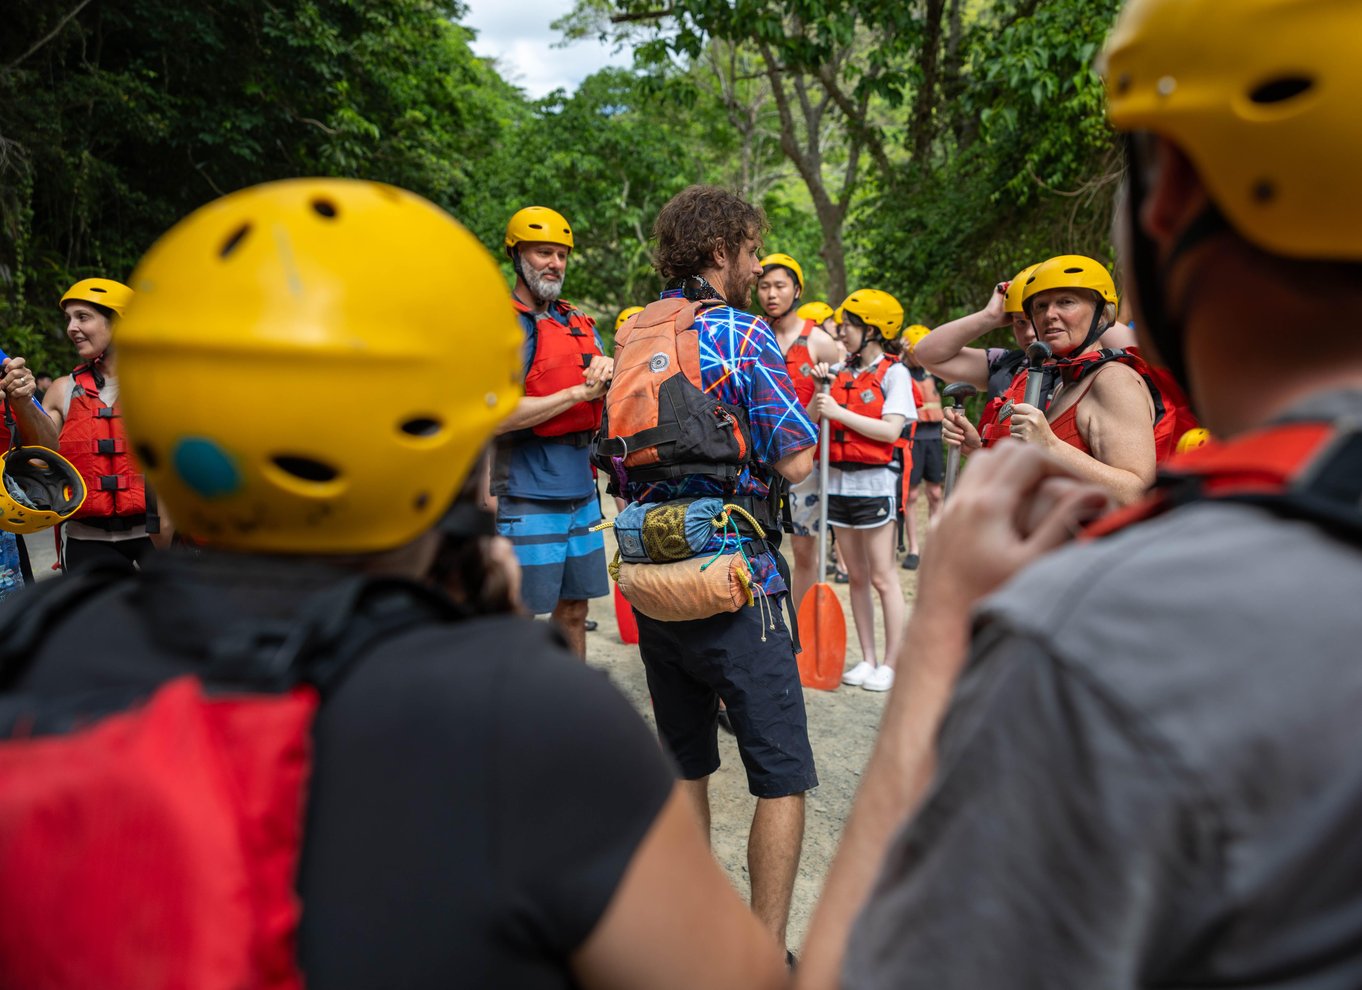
[[541, 476]]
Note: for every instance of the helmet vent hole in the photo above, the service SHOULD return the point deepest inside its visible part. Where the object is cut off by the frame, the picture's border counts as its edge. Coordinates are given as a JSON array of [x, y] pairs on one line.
[[421, 501], [234, 239], [1281, 90], [1264, 191], [305, 468], [324, 208], [147, 455], [1073, 271], [421, 426]]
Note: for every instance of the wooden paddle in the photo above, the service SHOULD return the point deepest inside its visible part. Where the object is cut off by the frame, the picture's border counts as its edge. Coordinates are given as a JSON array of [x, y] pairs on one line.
[[822, 624]]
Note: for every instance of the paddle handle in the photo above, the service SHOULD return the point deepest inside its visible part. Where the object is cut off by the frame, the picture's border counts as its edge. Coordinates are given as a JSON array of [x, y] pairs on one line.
[[824, 438], [5, 357]]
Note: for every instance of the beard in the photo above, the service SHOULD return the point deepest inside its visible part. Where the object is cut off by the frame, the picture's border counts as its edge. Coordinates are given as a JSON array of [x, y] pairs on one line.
[[546, 289], [737, 288]]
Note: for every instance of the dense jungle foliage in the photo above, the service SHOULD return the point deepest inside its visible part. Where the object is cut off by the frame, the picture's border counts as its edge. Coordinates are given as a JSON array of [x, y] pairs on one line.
[[929, 148]]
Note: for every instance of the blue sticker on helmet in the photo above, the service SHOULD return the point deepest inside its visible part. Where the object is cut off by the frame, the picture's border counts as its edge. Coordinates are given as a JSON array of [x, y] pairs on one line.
[[206, 468]]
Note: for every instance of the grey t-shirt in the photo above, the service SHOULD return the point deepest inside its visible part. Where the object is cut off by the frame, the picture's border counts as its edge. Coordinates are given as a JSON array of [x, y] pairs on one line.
[[1150, 776]]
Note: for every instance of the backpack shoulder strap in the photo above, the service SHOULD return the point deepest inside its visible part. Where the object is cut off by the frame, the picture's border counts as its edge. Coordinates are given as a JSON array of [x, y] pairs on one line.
[[333, 629], [29, 617], [1308, 470]]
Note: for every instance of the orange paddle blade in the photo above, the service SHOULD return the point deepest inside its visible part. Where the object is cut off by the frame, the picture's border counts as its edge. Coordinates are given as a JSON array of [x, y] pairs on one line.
[[823, 636], [624, 618]]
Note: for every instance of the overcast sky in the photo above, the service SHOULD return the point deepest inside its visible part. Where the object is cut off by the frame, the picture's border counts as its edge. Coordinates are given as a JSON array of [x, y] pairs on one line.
[[518, 35]]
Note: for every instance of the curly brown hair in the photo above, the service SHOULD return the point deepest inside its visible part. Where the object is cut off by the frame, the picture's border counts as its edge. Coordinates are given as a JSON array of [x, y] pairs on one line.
[[695, 222]]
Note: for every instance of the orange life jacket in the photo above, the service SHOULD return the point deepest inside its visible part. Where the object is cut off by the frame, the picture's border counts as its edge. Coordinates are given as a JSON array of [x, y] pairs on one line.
[[92, 439], [659, 423], [564, 345], [799, 363], [1308, 469], [860, 391], [928, 400]]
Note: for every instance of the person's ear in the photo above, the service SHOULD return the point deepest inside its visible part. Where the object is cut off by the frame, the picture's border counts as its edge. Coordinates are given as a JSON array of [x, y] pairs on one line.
[[1176, 195], [720, 254]]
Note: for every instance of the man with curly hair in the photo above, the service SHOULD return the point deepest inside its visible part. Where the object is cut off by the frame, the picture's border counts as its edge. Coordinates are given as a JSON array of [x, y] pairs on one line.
[[708, 244]]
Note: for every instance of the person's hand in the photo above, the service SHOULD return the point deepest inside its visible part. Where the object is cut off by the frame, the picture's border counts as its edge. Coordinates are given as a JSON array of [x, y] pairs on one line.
[[822, 371], [590, 392], [18, 382], [993, 309], [601, 369], [1015, 504], [824, 406], [1029, 424], [958, 431]]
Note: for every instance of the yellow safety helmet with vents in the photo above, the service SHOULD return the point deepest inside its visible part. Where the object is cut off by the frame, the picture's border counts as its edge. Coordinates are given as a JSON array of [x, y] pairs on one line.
[[816, 311], [1192, 439], [294, 379], [784, 261], [877, 308], [41, 488], [1012, 301], [1069, 271], [101, 291], [538, 224], [624, 315], [915, 333], [1262, 96]]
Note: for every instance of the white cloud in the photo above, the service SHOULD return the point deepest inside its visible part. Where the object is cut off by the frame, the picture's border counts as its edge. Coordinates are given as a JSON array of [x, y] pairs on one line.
[[519, 37]]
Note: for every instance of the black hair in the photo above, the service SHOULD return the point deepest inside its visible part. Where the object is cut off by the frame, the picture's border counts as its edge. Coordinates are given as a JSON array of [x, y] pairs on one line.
[[463, 565]]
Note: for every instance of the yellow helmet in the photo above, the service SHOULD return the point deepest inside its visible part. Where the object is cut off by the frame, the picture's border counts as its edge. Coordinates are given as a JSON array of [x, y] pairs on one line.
[[1012, 302], [41, 488], [1069, 271], [624, 315], [101, 292], [915, 333], [333, 285], [538, 224], [878, 309], [784, 261], [1193, 439], [1264, 102], [816, 311]]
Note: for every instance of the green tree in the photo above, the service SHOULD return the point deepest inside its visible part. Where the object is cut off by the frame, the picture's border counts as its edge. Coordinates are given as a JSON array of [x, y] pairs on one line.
[[118, 119]]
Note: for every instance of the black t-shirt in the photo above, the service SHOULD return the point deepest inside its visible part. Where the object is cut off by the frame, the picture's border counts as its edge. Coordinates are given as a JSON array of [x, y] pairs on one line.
[[476, 795]]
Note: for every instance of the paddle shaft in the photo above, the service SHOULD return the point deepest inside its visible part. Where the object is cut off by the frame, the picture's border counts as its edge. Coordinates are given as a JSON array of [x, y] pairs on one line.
[[824, 438], [1037, 353], [957, 393]]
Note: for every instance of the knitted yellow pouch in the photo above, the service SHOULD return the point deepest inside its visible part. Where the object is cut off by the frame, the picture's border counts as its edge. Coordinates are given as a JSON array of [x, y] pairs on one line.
[[687, 589]]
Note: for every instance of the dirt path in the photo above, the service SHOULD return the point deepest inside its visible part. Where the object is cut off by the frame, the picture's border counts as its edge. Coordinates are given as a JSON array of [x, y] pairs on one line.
[[842, 726]]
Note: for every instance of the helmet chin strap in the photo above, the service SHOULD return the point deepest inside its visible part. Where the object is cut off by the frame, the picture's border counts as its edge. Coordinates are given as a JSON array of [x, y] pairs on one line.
[[1165, 324]]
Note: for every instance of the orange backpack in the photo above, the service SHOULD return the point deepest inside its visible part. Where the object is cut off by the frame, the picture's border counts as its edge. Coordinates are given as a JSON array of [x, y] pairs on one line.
[[659, 422]]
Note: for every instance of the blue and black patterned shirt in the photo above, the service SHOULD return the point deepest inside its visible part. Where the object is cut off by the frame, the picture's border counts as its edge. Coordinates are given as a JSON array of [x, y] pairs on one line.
[[741, 363]]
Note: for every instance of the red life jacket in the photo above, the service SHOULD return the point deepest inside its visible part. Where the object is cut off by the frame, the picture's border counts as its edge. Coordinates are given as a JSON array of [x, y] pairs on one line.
[[1308, 470], [996, 422], [799, 363], [154, 842], [564, 345], [860, 391], [1172, 412], [92, 439]]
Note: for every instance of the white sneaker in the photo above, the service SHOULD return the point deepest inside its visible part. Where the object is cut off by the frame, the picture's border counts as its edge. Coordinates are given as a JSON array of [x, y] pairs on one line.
[[856, 675], [880, 679]]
